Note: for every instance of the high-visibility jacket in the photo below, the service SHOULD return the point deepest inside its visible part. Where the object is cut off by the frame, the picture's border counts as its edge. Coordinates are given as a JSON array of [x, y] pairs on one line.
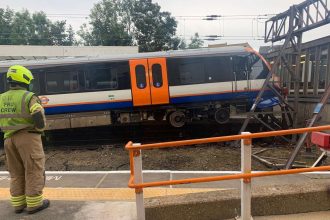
[[14, 111]]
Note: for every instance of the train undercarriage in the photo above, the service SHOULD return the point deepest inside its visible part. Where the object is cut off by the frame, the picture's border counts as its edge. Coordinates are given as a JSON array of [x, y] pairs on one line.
[[177, 116]]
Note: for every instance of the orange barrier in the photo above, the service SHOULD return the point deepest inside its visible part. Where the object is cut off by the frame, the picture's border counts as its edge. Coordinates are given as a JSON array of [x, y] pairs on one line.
[[134, 151], [136, 177], [227, 177]]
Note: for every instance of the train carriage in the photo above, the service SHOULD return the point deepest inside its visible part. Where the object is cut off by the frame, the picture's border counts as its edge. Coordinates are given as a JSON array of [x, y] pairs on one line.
[[178, 86]]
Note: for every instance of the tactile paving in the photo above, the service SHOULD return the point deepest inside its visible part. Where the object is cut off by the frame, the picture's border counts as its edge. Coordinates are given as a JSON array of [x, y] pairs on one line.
[[112, 194]]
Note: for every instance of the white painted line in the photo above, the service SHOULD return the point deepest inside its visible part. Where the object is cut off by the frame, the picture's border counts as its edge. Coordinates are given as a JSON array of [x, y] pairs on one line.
[[171, 178], [205, 172], [88, 172], [104, 172], [156, 171], [96, 172], [99, 183]]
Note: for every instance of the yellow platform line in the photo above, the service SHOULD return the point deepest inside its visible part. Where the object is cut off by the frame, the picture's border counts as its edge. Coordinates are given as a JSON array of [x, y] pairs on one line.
[[85, 194]]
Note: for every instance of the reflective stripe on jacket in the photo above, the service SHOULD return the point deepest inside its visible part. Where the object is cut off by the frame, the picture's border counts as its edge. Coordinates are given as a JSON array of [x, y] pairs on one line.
[[14, 111]]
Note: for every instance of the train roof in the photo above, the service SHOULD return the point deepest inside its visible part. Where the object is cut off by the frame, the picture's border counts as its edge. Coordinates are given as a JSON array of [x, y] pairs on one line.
[[230, 50]]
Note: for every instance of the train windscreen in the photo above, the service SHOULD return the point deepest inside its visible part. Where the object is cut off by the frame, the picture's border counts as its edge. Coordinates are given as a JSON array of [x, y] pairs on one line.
[[250, 65]]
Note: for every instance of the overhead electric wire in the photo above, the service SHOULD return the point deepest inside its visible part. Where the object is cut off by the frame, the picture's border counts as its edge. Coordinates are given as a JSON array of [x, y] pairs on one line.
[[118, 39], [232, 15], [181, 17], [258, 17]]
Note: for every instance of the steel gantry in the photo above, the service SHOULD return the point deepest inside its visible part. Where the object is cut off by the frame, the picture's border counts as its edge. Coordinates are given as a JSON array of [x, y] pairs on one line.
[[307, 15], [289, 26]]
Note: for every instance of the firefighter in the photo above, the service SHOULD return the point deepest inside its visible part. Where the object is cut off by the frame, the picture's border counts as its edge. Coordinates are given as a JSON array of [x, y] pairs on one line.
[[22, 121]]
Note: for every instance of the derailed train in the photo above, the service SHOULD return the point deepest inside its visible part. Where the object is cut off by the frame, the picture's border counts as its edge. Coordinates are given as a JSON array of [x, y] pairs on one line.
[[178, 86]]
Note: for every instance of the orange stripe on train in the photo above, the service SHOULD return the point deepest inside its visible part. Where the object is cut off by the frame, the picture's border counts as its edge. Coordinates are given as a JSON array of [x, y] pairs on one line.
[[87, 103]]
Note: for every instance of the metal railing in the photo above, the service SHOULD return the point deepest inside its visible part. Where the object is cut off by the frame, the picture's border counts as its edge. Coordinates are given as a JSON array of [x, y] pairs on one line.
[[136, 177]]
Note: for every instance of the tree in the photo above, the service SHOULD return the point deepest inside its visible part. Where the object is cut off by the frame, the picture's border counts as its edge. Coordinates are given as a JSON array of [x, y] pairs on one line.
[[127, 7], [6, 17], [70, 39], [155, 30], [23, 28], [183, 45], [107, 25], [178, 44], [58, 34], [86, 36], [128, 22], [195, 42], [41, 34]]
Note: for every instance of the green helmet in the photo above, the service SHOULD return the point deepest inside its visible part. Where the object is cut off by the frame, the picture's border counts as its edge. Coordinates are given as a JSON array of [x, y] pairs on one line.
[[19, 74]]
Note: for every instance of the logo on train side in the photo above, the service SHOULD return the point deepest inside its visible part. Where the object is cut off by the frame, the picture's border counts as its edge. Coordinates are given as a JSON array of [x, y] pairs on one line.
[[44, 100]]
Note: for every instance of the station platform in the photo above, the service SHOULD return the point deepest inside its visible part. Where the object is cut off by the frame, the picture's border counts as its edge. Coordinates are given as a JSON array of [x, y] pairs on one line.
[[104, 195]]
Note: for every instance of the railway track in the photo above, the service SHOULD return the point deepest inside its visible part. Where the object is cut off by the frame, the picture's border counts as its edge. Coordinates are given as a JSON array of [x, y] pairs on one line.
[[147, 132], [141, 133]]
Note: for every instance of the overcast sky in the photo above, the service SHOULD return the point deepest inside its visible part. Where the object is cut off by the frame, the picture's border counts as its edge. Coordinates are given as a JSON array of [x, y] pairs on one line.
[[233, 28]]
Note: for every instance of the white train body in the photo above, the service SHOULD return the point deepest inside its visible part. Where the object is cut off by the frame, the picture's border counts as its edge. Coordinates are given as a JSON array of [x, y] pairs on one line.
[[181, 85]]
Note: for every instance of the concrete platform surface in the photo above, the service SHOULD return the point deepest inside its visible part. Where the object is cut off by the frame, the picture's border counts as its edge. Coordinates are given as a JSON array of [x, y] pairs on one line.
[[96, 210], [104, 195], [325, 215], [119, 179], [75, 210]]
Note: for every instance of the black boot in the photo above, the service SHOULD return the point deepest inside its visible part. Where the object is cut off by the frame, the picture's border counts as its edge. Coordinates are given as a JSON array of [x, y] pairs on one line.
[[20, 209], [45, 204]]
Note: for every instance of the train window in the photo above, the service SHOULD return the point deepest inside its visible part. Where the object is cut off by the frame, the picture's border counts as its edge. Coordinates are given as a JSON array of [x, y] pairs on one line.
[[192, 72], [157, 75], [36, 84], [218, 69], [64, 81], [123, 76], [141, 80], [240, 67], [256, 68], [185, 71], [101, 78], [2, 82]]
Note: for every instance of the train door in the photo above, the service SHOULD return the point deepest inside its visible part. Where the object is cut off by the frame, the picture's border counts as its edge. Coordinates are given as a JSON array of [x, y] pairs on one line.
[[149, 81], [242, 82]]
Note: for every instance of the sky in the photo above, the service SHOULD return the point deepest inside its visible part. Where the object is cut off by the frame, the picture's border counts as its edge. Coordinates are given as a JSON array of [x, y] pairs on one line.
[[240, 21]]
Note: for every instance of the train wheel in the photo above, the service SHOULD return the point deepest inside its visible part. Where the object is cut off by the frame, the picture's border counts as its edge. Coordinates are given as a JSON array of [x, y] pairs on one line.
[[177, 119], [222, 115]]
